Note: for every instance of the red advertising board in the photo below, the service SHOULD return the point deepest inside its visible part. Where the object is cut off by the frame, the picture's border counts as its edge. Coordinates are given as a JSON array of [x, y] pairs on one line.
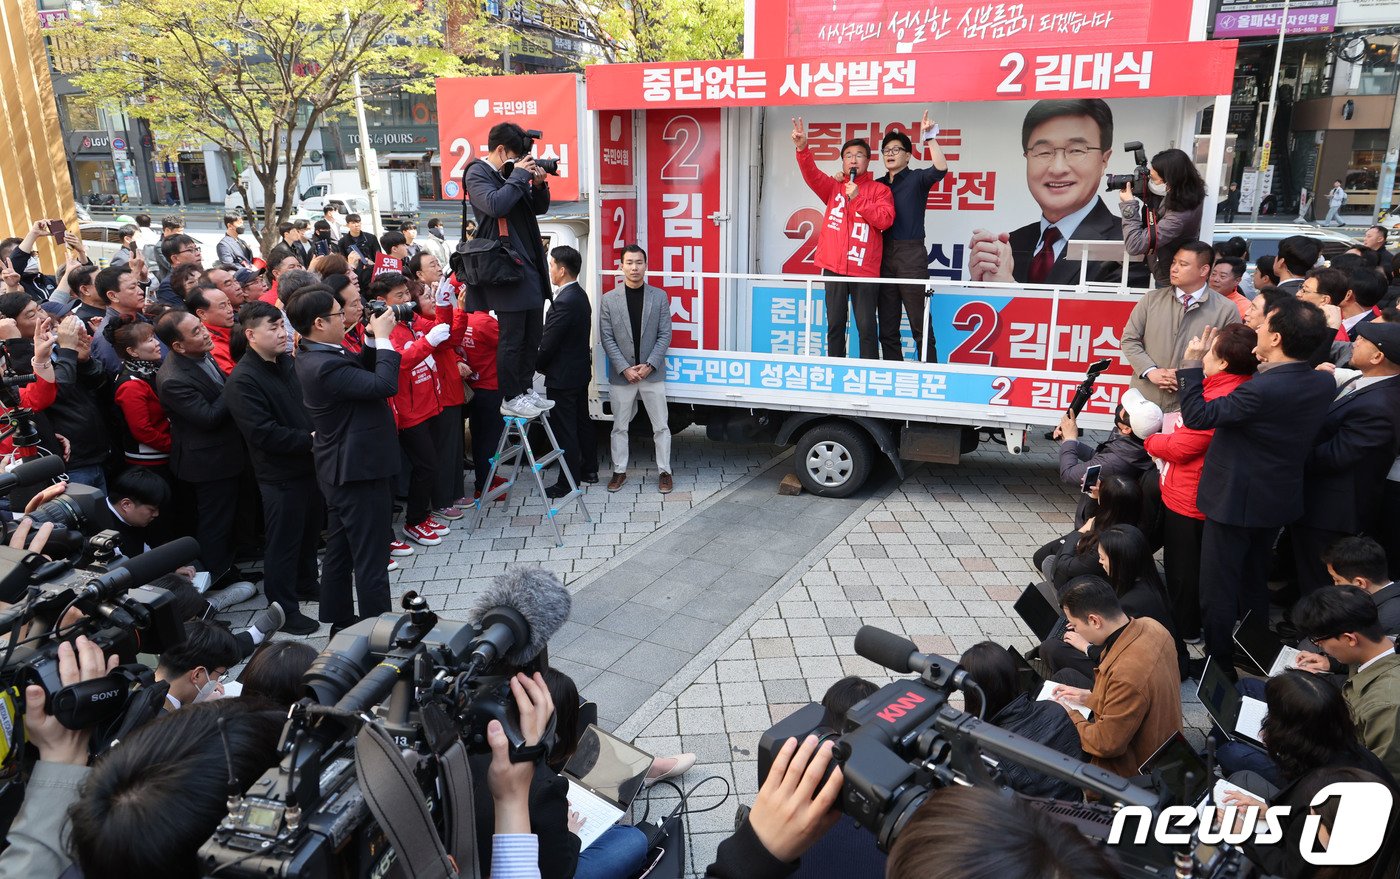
[[683, 190], [616, 159], [1116, 71], [469, 106], [857, 27]]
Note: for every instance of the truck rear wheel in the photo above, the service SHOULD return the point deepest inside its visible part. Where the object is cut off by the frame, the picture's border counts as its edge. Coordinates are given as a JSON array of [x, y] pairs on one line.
[[833, 459]]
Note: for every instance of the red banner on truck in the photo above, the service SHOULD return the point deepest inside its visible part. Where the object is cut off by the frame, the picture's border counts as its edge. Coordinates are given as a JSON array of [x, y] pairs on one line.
[[469, 106]]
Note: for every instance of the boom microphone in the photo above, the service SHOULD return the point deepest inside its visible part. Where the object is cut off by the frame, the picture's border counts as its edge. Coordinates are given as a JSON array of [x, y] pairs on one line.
[[31, 473], [901, 655], [518, 614], [142, 569]]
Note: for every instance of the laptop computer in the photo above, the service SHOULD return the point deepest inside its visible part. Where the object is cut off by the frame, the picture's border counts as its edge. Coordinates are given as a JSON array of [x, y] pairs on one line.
[[604, 774], [1026, 675], [1186, 776], [1182, 770], [1263, 646], [1238, 716], [1039, 611]]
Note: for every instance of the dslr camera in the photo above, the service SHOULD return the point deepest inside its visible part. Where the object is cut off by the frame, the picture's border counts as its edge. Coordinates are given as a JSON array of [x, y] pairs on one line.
[[403, 312], [548, 166], [1137, 180]]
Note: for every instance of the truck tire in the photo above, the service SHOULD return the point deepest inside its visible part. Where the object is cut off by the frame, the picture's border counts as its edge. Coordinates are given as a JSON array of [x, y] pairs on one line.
[[833, 459]]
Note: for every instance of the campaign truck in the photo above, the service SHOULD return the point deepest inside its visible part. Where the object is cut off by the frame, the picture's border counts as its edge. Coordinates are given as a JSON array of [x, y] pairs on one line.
[[694, 161]]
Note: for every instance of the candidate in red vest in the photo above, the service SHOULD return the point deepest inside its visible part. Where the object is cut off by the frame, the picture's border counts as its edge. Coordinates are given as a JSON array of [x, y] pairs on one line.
[[850, 243]]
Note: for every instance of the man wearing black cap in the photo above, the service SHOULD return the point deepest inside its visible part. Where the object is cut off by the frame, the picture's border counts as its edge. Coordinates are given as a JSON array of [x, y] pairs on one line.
[[1344, 486]]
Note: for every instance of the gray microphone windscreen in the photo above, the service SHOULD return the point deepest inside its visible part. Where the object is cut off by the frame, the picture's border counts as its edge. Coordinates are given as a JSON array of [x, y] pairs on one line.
[[538, 596]]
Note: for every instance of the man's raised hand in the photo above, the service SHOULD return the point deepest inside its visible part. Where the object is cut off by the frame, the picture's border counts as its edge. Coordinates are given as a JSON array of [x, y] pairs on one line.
[[799, 133]]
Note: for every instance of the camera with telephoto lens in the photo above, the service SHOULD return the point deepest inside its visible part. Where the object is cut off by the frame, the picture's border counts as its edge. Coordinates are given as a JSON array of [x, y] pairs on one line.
[[1137, 180], [403, 312], [905, 741], [548, 166], [425, 686]]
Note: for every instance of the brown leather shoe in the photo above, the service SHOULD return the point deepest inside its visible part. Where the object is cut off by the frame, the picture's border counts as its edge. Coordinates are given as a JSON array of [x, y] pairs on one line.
[[617, 480], [665, 483]]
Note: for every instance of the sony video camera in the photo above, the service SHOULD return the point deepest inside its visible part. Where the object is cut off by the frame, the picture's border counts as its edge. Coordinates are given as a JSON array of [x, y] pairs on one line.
[[1135, 181], [426, 682], [905, 741], [548, 166]]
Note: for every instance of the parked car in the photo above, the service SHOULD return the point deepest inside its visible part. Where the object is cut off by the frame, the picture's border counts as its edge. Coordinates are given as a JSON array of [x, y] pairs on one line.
[[1263, 238]]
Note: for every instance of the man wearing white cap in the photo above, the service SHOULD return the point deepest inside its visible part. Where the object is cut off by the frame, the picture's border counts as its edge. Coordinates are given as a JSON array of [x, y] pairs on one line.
[[1122, 454], [1165, 319]]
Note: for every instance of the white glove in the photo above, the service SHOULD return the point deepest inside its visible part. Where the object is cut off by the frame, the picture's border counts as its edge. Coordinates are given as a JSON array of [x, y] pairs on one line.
[[443, 297], [438, 334]]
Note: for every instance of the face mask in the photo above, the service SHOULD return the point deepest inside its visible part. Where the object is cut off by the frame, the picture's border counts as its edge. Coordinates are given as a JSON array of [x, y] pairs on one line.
[[238, 230], [213, 689], [1157, 188]]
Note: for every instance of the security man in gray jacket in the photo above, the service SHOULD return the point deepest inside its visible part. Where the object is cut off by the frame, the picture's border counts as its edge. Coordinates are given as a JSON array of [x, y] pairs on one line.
[[636, 331]]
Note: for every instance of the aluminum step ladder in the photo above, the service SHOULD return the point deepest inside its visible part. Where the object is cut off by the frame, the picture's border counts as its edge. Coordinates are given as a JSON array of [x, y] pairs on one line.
[[514, 451]]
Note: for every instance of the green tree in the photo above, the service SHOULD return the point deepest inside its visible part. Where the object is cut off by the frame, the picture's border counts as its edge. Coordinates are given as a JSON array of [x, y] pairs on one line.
[[665, 30], [258, 77]]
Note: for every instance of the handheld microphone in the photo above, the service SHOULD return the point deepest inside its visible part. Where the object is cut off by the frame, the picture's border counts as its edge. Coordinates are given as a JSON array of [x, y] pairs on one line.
[[518, 614], [901, 655], [853, 175], [31, 473], [142, 569]]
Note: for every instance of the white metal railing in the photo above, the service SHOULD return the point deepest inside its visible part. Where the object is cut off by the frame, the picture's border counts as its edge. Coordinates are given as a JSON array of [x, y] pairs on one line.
[[1053, 292]]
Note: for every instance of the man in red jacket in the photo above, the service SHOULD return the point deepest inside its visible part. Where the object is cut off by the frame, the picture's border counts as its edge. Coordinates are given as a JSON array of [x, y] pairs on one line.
[[850, 243], [214, 310]]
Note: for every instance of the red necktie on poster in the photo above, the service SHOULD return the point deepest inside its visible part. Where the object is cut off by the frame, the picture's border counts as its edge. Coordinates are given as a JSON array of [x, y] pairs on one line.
[[1044, 260]]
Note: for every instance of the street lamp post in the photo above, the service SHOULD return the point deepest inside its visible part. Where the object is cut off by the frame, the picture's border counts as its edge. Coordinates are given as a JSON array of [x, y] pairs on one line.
[[1268, 135]]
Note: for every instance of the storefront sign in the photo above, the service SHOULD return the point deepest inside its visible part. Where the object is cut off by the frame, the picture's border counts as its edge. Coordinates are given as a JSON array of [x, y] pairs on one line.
[[392, 139], [1205, 68], [90, 142], [469, 106], [1247, 18], [1367, 12]]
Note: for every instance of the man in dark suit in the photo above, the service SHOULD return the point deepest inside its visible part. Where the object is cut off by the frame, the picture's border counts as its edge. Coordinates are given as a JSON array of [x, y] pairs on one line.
[[508, 185], [206, 450], [355, 447], [1366, 287], [1252, 481], [1067, 145], [134, 500], [566, 359], [1345, 480]]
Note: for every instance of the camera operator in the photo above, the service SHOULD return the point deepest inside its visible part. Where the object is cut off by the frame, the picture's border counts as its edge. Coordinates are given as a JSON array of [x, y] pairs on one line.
[[1173, 178], [36, 839], [508, 185], [515, 851], [264, 397], [353, 446]]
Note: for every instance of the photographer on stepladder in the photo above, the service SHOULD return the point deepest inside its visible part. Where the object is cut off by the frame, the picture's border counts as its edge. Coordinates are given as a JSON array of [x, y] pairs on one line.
[[507, 191]]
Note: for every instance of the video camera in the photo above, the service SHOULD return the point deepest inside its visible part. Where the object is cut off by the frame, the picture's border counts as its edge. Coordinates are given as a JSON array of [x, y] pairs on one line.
[[1137, 180], [548, 166], [905, 741], [426, 682]]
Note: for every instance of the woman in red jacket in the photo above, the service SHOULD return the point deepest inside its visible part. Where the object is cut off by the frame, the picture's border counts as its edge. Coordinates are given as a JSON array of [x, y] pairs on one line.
[[1182, 453], [414, 406], [146, 437], [435, 294], [39, 394]]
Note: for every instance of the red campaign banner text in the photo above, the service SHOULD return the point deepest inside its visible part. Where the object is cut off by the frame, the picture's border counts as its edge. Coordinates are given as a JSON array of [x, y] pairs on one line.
[[617, 159], [682, 191], [854, 27], [1153, 70], [618, 229], [1019, 333], [469, 106], [383, 264]]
